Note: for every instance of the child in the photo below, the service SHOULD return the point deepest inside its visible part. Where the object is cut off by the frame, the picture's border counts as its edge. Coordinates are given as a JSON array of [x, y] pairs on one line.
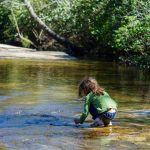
[[98, 102]]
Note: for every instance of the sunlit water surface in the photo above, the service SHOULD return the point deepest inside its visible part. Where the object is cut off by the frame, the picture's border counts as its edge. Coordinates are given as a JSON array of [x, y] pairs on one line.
[[38, 101]]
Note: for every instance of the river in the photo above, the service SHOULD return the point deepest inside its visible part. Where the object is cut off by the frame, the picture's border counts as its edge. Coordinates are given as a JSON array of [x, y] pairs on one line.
[[38, 101]]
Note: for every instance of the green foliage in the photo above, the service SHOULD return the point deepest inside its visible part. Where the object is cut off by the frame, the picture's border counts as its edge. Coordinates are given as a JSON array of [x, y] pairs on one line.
[[132, 35], [120, 26], [5, 25], [15, 22]]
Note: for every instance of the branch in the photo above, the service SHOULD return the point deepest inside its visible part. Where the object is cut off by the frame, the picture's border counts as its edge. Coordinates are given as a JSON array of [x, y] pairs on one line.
[[63, 41], [18, 30]]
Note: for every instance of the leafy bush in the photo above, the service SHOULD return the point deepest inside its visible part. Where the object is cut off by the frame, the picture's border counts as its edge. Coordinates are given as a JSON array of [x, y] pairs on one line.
[[132, 35], [5, 26]]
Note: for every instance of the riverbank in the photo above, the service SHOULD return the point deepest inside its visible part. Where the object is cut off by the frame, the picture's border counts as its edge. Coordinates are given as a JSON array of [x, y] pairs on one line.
[[13, 52], [137, 61]]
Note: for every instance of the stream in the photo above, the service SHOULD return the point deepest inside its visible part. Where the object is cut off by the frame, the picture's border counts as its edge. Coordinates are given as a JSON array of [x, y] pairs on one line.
[[39, 100]]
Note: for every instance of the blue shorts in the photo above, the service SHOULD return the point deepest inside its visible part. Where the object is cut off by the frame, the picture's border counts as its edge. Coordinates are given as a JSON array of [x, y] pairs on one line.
[[105, 115], [108, 115]]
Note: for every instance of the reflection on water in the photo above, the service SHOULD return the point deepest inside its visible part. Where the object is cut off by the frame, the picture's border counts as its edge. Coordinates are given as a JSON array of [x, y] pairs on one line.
[[38, 104]]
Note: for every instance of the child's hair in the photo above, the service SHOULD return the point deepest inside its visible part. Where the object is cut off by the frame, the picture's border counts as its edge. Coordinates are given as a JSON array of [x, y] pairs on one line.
[[89, 84]]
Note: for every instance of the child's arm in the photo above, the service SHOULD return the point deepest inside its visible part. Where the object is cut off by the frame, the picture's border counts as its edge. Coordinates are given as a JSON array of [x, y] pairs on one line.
[[85, 111]]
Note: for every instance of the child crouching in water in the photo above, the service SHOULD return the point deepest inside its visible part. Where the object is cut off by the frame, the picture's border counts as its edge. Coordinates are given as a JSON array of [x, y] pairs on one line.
[[97, 102]]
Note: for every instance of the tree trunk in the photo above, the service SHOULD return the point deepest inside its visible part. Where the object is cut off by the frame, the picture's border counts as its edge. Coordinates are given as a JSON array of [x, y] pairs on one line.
[[75, 50]]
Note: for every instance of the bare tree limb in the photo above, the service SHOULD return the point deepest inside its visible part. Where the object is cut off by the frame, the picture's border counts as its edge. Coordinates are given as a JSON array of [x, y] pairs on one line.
[[61, 40]]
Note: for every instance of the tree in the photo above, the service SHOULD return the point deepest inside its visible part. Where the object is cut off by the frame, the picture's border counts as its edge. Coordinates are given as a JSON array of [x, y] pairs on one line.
[[63, 41]]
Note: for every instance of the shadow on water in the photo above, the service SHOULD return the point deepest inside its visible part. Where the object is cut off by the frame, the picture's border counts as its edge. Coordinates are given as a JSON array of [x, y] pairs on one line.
[[21, 121], [16, 120]]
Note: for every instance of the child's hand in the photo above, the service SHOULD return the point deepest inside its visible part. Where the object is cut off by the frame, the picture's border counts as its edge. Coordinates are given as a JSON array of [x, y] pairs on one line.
[[77, 121]]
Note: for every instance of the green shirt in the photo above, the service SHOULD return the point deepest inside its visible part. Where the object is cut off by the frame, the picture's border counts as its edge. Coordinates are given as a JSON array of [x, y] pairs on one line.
[[101, 102]]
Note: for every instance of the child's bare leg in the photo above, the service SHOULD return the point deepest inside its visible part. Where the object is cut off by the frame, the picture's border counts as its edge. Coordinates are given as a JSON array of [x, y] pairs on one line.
[[110, 124], [107, 122], [97, 122]]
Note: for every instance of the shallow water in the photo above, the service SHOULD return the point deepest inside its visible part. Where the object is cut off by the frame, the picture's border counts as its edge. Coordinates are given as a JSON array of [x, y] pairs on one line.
[[38, 101]]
